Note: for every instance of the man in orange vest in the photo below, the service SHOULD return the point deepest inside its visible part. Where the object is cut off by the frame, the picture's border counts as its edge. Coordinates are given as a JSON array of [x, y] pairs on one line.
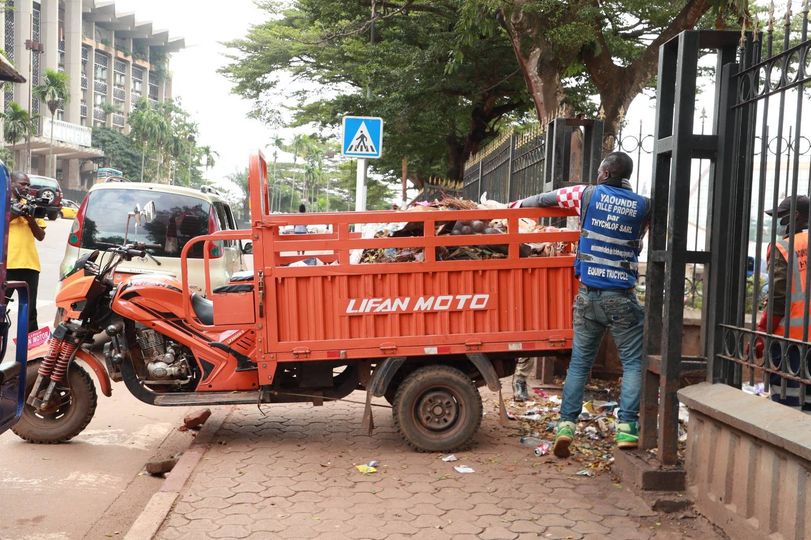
[[792, 234]]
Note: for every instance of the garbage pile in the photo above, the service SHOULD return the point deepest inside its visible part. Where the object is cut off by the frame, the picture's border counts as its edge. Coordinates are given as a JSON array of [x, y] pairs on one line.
[[594, 445], [470, 227]]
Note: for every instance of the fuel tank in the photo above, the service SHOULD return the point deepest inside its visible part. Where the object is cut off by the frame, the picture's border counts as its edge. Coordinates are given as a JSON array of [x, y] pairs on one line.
[[148, 297]]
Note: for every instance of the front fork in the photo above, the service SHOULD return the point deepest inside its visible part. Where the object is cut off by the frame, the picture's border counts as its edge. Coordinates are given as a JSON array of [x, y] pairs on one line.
[[53, 369]]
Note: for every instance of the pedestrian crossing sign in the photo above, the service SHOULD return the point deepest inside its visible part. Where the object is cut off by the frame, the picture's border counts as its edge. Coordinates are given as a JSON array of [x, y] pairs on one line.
[[362, 137]]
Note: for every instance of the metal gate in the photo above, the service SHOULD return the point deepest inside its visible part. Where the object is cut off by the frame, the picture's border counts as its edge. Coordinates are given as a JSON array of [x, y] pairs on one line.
[[758, 151]]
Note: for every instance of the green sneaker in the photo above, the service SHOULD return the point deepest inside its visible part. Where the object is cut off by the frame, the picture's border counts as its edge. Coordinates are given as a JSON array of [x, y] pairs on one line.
[[627, 435], [564, 434]]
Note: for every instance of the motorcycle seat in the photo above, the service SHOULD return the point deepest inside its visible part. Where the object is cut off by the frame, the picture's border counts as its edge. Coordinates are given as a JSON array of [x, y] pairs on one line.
[[203, 308], [239, 287]]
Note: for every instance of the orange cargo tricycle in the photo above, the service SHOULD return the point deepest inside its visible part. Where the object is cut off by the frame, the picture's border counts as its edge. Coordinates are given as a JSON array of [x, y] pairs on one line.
[[423, 334]]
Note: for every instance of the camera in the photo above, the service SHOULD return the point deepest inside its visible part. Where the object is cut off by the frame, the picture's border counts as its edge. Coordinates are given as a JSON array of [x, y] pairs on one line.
[[36, 208]]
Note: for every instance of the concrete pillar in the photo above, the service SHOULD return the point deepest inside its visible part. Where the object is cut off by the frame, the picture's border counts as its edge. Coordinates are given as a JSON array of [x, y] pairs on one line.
[[50, 34], [110, 80], [72, 175], [23, 10], [91, 78], [73, 59], [127, 94]]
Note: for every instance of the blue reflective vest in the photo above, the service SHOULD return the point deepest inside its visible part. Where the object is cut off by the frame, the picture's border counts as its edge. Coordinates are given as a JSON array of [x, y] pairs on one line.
[[610, 238]]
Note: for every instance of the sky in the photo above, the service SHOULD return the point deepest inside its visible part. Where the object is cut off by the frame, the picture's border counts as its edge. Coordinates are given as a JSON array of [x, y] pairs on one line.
[[221, 115]]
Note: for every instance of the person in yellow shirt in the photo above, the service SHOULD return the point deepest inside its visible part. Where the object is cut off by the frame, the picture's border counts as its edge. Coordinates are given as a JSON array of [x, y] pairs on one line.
[[23, 259]]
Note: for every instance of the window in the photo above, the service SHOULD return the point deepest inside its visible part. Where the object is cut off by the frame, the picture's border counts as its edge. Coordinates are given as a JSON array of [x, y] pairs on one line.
[[222, 217], [178, 219]]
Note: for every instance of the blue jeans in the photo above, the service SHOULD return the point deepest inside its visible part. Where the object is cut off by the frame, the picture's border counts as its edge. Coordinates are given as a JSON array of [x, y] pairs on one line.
[[595, 311]]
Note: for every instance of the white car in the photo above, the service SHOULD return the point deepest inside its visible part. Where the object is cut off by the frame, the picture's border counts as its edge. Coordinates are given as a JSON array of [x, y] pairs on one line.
[[180, 214]]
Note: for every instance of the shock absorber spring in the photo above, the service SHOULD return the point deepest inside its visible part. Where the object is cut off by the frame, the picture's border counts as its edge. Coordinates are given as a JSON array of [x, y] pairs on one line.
[[61, 367], [47, 365]]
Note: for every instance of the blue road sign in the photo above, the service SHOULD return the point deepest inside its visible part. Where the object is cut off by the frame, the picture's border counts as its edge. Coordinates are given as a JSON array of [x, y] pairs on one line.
[[362, 137]]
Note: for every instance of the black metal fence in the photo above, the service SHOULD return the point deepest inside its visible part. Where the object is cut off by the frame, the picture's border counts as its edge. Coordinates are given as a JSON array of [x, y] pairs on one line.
[[753, 155], [771, 140], [537, 160]]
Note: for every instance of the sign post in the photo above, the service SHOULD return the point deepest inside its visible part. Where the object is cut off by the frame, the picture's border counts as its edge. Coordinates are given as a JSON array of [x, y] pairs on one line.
[[363, 139]]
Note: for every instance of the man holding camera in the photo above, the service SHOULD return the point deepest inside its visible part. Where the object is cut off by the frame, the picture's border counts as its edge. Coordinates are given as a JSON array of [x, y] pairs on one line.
[[23, 259]]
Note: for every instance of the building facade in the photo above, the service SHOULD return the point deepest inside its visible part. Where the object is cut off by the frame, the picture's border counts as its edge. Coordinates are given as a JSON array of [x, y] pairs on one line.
[[111, 61]]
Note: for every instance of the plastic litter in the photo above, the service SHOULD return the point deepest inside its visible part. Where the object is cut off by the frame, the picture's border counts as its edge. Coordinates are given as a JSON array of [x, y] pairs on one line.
[[529, 441], [366, 469], [533, 414], [592, 433], [463, 469], [450, 458], [374, 463], [757, 390], [539, 392], [584, 472], [543, 448]]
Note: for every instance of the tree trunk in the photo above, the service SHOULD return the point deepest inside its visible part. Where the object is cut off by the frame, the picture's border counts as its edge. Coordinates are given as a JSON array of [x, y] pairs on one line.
[[143, 161]]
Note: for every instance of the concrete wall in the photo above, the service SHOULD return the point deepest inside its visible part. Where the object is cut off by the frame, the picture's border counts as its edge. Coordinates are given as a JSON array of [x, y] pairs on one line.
[[748, 463]]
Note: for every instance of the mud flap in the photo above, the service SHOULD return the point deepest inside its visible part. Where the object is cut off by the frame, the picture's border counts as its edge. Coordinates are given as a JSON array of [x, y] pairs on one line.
[[485, 367]]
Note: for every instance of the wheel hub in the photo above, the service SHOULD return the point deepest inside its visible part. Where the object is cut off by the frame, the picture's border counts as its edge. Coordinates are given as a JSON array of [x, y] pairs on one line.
[[438, 409]]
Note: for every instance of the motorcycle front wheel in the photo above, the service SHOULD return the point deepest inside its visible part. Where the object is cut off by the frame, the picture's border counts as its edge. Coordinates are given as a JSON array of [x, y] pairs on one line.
[[72, 409]]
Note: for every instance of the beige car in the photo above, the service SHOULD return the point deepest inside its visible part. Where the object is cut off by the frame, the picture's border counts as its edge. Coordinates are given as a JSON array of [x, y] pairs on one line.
[[180, 214]]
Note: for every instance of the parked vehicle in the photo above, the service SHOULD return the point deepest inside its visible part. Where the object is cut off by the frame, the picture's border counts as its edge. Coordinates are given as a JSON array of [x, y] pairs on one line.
[[48, 190], [69, 209], [181, 214], [12, 372], [424, 335]]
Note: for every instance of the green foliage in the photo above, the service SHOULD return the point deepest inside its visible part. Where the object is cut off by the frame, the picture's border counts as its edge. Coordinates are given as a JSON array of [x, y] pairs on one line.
[[7, 157], [315, 179], [17, 123], [53, 90], [573, 51], [433, 117], [161, 145], [120, 151]]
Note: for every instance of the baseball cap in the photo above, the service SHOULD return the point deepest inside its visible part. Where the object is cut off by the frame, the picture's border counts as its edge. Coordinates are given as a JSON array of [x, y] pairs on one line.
[[801, 205]]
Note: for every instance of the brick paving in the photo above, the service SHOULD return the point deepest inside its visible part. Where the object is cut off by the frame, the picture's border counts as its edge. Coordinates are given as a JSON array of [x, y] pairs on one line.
[[291, 474]]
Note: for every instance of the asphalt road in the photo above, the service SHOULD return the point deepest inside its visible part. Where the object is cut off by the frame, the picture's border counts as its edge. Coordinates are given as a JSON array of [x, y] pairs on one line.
[[92, 487]]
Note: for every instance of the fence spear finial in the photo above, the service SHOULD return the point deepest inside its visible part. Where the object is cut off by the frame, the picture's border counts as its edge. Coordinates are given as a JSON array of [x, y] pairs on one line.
[[805, 6], [770, 25], [788, 12], [756, 28]]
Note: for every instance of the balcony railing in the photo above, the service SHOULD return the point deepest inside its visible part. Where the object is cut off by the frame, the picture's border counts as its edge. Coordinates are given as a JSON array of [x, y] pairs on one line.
[[84, 81], [118, 120], [119, 93], [66, 132], [100, 87], [83, 109], [99, 114]]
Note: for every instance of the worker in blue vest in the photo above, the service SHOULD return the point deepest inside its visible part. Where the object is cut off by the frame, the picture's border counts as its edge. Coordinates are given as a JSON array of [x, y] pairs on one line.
[[613, 220]]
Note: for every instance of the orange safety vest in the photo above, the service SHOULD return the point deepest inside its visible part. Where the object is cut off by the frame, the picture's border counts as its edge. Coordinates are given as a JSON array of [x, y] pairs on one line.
[[796, 316]]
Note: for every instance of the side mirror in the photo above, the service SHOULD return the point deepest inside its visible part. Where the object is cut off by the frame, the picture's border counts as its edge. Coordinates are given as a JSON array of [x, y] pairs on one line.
[[148, 212], [247, 248]]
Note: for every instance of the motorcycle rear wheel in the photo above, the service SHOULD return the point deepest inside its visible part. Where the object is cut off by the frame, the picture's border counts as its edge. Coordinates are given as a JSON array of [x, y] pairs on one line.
[[67, 419]]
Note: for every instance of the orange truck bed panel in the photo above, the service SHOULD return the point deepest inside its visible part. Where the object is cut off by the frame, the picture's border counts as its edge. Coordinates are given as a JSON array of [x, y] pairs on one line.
[[345, 310]]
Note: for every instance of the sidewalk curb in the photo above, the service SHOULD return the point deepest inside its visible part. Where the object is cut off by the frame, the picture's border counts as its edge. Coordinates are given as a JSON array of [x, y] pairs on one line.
[[159, 505]]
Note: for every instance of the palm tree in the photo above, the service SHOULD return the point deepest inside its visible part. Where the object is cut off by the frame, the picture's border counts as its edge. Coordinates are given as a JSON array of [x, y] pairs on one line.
[[138, 120], [17, 123], [209, 157], [53, 91], [147, 126]]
